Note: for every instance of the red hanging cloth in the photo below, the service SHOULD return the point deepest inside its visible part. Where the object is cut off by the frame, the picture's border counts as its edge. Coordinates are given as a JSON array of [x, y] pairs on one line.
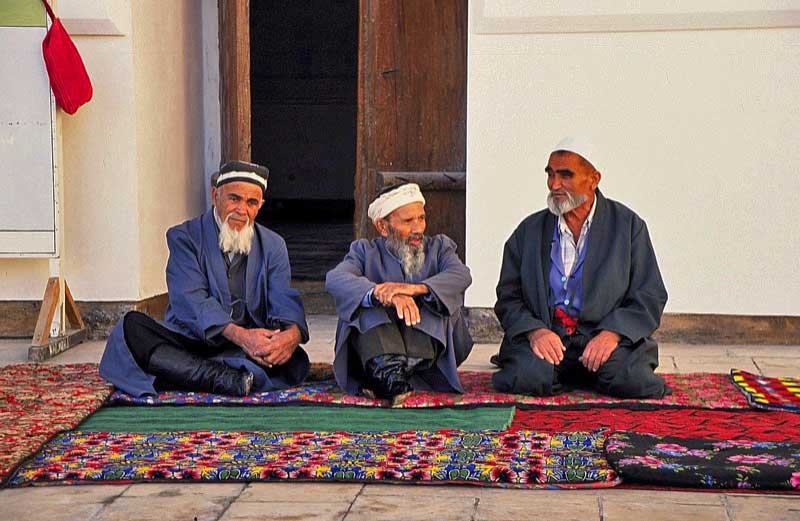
[[68, 78]]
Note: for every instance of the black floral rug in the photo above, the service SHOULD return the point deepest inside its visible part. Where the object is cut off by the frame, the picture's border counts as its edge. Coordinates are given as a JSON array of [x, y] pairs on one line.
[[668, 461]]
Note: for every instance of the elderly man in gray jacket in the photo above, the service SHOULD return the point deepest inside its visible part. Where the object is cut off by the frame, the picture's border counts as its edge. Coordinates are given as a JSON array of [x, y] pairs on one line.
[[400, 301], [580, 291]]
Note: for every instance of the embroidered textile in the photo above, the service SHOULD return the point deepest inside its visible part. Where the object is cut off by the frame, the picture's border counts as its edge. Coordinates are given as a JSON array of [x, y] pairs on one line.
[[689, 462], [37, 401], [763, 392], [520, 459], [689, 423], [703, 390]]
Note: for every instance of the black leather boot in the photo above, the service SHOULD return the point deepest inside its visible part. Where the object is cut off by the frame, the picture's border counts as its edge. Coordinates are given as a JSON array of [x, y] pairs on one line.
[[184, 370], [387, 375]]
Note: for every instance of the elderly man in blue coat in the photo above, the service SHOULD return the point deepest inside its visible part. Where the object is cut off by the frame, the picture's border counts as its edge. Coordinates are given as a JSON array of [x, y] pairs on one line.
[[233, 324], [580, 292], [400, 303]]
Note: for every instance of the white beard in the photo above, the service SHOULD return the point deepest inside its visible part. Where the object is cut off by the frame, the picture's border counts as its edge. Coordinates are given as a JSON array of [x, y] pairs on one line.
[[236, 241], [566, 205]]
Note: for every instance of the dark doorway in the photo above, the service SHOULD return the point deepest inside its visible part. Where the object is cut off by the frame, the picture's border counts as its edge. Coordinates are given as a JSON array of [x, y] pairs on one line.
[[303, 83]]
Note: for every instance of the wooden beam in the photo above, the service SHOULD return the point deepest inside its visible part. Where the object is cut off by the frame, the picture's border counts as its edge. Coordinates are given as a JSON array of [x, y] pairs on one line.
[[49, 304], [234, 64], [73, 313], [427, 181]]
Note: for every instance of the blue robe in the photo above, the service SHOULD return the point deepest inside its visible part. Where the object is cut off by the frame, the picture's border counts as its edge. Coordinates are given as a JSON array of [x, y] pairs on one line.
[[200, 305], [369, 263]]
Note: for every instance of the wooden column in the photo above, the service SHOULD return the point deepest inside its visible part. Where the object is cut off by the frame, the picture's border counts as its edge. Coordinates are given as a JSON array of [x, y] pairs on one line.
[[234, 64], [412, 95]]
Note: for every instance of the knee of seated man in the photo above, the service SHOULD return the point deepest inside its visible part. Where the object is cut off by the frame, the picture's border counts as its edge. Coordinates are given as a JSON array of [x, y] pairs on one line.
[[522, 375], [133, 319], [625, 384]]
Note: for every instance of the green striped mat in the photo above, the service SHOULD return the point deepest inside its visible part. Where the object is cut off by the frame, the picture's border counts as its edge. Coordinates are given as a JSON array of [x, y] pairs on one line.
[[293, 418]]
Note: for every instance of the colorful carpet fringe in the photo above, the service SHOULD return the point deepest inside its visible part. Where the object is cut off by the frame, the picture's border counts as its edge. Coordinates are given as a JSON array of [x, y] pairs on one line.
[[490, 458], [763, 392], [37, 401], [701, 390], [668, 461]]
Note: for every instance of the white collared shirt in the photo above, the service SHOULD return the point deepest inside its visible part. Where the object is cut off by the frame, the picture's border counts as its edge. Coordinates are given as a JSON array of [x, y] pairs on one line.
[[569, 250]]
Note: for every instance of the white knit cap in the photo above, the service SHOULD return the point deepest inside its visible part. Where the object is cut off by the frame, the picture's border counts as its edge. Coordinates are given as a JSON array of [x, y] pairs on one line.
[[394, 199], [578, 145]]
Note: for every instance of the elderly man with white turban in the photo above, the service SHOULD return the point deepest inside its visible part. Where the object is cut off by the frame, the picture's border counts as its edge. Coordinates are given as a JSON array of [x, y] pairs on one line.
[[400, 303], [580, 291]]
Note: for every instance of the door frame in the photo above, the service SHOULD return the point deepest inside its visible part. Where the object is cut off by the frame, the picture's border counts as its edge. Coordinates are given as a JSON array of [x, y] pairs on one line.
[[234, 65]]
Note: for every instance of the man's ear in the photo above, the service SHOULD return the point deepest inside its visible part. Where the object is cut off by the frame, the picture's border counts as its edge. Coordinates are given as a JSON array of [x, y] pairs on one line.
[[214, 191], [597, 177], [382, 226]]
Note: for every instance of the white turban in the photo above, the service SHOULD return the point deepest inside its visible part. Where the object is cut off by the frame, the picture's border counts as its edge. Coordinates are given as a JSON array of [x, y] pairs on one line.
[[394, 199], [581, 146]]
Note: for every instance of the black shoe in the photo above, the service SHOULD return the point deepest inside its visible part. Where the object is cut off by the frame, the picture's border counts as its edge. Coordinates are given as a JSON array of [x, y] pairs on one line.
[[387, 375], [495, 361], [184, 370], [415, 364]]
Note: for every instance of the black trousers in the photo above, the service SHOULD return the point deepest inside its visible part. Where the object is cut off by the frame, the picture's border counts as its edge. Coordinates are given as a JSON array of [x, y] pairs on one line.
[[143, 334], [628, 373], [394, 337]]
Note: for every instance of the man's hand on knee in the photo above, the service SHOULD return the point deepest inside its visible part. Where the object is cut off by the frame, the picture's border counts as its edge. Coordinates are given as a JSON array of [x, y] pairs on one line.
[[599, 349], [282, 345], [254, 342], [407, 309], [546, 345]]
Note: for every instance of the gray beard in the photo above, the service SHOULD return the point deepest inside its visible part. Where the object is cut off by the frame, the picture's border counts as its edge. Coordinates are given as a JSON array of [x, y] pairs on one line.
[[568, 204], [412, 258]]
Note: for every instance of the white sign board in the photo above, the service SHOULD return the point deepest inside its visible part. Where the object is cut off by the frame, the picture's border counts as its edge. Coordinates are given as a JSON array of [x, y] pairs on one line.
[[28, 180]]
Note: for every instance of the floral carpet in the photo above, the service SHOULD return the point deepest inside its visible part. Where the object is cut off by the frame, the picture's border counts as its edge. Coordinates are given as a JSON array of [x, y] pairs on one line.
[[669, 461], [702, 390], [490, 458], [37, 401], [763, 392], [751, 424]]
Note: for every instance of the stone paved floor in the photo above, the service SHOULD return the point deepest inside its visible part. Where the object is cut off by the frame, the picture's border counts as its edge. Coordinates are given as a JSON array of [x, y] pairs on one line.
[[333, 501]]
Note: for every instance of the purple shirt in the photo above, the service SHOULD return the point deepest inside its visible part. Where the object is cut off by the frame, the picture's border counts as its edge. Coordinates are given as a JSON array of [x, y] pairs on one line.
[[565, 290]]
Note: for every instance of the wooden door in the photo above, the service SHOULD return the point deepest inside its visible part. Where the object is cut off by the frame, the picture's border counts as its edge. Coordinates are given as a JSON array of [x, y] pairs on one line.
[[412, 99], [413, 104]]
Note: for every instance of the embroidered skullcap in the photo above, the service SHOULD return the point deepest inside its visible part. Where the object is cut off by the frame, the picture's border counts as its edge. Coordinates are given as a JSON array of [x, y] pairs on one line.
[[233, 171], [393, 199]]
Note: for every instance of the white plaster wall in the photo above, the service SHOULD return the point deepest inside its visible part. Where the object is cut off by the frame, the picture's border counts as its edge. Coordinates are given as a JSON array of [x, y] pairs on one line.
[[98, 150], [699, 134], [169, 131]]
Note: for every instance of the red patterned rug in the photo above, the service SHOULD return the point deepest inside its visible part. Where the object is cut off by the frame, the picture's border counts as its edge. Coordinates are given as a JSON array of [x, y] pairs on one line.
[[702, 390], [37, 401], [691, 423]]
